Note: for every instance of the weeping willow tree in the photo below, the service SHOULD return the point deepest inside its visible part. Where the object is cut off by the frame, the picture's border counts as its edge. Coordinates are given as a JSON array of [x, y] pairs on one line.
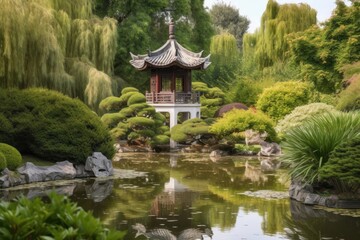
[[57, 44], [268, 44]]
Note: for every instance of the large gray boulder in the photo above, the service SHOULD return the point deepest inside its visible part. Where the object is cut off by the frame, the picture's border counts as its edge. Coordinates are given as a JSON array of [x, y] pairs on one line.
[[59, 171], [99, 165], [269, 149]]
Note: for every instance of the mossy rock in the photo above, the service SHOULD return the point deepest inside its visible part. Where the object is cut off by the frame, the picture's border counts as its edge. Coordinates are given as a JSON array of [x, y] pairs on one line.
[[12, 156], [136, 98], [129, 89], [3, 163]]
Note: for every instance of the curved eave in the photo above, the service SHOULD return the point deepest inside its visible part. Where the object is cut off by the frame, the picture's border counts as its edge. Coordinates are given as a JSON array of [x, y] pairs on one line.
[[143, 65]]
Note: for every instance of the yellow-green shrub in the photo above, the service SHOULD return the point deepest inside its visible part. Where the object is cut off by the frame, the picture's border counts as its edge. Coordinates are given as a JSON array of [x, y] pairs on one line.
[[283, 97], [12, 156]]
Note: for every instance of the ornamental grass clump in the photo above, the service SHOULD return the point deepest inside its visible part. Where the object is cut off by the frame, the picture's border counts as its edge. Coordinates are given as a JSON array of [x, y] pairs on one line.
[[307, 148]]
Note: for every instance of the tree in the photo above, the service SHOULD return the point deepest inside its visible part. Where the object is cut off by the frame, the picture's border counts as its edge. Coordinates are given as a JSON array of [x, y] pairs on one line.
[[322, 52], [130, 117], [268, 44], [227, 19], [58, 45], [142, 27]]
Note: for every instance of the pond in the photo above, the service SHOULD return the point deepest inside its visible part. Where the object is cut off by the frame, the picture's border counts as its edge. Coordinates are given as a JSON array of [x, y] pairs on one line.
[[190, 194]]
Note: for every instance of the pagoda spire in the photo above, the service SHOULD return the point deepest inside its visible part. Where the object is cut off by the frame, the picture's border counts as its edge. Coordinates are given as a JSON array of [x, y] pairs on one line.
[[171, 29]]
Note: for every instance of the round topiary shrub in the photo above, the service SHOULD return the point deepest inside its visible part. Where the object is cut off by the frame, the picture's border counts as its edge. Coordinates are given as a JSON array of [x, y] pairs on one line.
[[283, 97], [12, 156], [54, 127], [128, 89], [136, 98], [301, 114], [190, 130], [237, 121], [3, 163]]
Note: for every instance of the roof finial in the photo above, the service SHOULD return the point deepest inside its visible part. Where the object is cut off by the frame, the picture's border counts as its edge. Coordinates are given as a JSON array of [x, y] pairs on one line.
[[171, 29]]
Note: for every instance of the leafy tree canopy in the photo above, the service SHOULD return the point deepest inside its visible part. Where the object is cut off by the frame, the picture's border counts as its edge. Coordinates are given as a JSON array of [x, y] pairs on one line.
[[228, 19]]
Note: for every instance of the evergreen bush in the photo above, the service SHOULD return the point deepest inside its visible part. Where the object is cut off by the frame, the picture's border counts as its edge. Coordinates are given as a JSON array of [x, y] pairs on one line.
[[237, 121], [12, 156], [280, 99], [301, 114], [190, 130], [349, 99], [343, 168], [57, 219], [307, 148], [136, 121], [3, 163], [52, 126], [111, 104]]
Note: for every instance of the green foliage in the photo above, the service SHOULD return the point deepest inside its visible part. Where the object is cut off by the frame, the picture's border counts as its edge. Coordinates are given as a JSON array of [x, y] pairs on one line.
[[211, 99], [301, 114], [128, 89], [322, 52], [135, 120], [57, 219], [12, 156], [268, 44], [57, 45], [111, 104], [283, 97], [349, 98], [244, 91], [307, 148], [136, 98], [227, 19], [237, 121], [190, 130], [142, 26], [343, 167], [52, 126], [3, 163], [251, 148]]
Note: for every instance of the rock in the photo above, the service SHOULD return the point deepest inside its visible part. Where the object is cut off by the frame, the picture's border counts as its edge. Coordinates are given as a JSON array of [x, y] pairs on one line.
[[11, 179], [61, 170], [99, 190], [118, 148], [268, 149], [269, 165], [82, 173], [99, 165], [254, 137], [218, 153], [312, 199]]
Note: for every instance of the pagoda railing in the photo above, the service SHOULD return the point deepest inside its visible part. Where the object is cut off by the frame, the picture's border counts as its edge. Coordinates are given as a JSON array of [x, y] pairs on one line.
[[173, 97]]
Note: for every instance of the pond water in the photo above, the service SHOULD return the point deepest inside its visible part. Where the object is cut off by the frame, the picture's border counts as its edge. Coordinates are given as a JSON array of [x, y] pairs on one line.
[[174, 195]]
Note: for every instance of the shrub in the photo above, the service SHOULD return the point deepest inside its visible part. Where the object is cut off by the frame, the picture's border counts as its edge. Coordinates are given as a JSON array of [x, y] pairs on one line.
[[12, 156], [349, 99], [237, 121], [190, 130], [111, 104], [54, 127], [211, 99], [5, 129], [136, 121], [129, 89], [301, 114], [3, 163], [307, 148], [57, 219], [283, 97], [136, 98], [343, 167]]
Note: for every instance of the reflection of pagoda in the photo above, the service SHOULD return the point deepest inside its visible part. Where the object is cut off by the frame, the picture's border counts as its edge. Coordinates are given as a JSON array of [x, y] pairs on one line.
[[170, 83], [174, 195]]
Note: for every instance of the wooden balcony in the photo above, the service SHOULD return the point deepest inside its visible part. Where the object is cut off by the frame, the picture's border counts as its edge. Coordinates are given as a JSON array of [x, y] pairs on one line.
[[172, 97]]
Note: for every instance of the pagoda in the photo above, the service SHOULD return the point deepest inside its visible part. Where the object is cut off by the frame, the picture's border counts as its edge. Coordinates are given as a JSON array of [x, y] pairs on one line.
[[170, 81]]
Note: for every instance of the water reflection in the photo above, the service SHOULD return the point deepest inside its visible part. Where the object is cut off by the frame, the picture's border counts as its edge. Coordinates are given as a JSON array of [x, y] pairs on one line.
[[190, 194]]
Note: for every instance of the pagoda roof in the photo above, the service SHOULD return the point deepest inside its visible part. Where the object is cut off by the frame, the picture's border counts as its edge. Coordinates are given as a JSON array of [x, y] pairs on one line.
[[170, 54]]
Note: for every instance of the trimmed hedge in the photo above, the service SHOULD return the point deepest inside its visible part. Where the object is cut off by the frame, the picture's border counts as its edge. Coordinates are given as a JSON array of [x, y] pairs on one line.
[[52, 126], [3, 163], [189, 130], [12, 156]]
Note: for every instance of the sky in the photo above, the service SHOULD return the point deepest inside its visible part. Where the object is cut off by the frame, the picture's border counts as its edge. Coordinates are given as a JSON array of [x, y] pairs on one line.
[[253, 9]]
